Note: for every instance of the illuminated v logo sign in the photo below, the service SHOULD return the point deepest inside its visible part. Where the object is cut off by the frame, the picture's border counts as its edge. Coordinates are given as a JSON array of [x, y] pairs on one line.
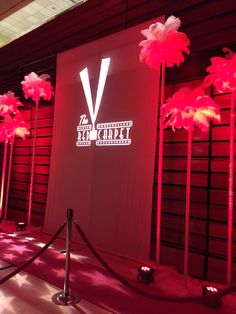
[[106, 133], [93, 111]]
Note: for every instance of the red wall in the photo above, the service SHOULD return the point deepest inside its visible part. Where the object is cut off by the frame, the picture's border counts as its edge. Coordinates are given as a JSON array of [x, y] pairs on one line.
[[210, 26]]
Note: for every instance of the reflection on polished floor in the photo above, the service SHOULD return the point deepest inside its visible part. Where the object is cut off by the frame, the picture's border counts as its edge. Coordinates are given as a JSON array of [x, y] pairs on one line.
[[28, 294], [31, 291]]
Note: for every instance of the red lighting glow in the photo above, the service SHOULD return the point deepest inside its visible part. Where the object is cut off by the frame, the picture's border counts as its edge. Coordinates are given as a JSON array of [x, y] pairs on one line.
[[145, 268], [212, 289], [213, 302], [145, 274], [21, 226]]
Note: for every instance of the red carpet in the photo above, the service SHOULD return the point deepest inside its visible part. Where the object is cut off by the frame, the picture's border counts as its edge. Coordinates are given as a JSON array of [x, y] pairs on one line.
[[89, 281]]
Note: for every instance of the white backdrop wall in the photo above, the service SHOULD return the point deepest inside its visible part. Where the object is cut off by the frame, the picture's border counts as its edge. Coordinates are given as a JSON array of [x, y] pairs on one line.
[[109, 187]]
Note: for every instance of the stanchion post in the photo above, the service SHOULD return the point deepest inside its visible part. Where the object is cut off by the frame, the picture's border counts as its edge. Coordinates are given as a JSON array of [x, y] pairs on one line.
[[67, 297], [68, 248]]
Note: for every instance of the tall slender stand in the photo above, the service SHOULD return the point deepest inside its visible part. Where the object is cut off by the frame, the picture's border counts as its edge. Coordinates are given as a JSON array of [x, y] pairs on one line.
[[33, 165], [8, 179], [160, 168], [231, 189], [67, 297], [187, 206], [4, 163]]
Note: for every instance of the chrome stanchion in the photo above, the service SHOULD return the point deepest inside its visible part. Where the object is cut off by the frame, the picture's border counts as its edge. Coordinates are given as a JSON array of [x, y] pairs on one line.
[[67, 297]]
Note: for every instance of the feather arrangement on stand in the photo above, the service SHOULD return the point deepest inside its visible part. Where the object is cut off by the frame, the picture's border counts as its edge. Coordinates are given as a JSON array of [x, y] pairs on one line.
[[163, 47], [35, 87], [189, 109], [223, 77]]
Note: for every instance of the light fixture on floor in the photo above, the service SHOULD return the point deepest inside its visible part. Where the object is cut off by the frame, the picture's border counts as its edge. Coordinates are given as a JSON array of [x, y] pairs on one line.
[[145, 274], [213, 302], [20, 226]]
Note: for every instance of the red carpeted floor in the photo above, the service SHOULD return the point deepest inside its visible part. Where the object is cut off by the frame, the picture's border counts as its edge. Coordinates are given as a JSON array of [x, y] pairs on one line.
[[92, 282]]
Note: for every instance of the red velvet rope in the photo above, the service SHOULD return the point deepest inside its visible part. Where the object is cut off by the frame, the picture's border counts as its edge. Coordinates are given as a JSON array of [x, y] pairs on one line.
[[40, 252], [223, 292], [197, 298]]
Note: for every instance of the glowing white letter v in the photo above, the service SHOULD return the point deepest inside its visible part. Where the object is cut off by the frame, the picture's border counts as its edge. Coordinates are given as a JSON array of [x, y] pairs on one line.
[[87, 90]]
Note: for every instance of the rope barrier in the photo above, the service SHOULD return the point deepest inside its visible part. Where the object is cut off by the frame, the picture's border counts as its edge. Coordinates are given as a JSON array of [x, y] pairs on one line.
[[196, 298], [40, 252], [67, 297]]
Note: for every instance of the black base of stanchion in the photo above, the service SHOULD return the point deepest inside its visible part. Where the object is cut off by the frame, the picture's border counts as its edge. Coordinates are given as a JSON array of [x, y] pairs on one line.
[[60, 298]]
